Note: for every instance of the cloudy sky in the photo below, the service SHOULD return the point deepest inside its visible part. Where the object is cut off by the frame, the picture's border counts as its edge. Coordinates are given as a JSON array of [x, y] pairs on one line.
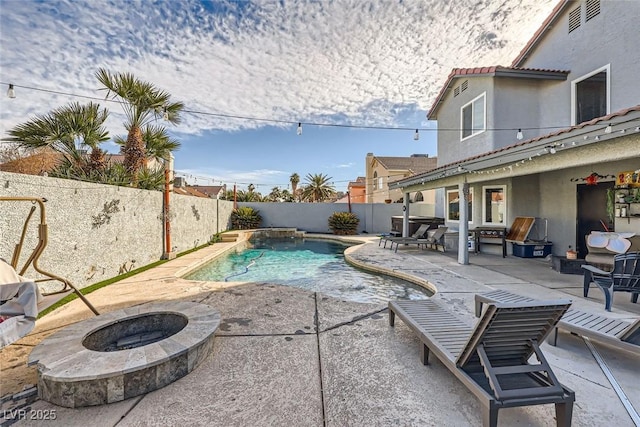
[[348, 63]]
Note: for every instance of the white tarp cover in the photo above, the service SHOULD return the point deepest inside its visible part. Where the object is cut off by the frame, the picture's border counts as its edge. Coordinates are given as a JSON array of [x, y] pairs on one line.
[[19, 299]]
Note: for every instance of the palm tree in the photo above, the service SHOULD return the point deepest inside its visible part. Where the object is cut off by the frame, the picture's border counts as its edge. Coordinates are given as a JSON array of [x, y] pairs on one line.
[[275, 195], [294, 179], [142, 103], [67, 130], [317, 188]]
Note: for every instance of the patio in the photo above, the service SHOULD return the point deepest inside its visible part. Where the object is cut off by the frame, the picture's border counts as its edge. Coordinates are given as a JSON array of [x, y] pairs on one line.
[[283, 356]]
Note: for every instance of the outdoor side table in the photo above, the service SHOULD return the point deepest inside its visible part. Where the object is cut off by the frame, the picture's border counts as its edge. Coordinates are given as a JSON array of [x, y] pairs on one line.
[[496, 234]]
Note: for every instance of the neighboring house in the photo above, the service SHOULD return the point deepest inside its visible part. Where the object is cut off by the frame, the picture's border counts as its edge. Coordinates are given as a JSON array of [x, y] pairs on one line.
[[40, 163], [381, 171], [43, 162], [533, 136], [358, 190], [212, 191]]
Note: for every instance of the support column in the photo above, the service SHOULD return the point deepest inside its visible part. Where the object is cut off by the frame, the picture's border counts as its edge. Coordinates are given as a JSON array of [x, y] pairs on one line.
[[463, 247], [405, 215]]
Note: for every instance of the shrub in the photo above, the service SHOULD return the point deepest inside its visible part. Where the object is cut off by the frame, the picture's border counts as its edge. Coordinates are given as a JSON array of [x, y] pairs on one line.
[[245, 218], [343, 223]]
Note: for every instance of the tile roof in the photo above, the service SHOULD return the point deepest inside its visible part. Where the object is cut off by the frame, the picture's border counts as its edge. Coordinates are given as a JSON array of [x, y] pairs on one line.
[[415, 164], [189, 191], [359, 182], [494, 70], [210, 190], [35, 164]]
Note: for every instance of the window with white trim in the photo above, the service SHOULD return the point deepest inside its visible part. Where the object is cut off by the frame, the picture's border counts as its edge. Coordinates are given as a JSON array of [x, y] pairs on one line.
[[473, 117], [375, 180], [590, 95], [453, 206], [494, 205]]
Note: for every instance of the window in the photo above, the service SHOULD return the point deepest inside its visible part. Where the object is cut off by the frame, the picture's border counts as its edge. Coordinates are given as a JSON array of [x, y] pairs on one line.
[[375, 180], [453, 206], [494, 205], [473, 117], [590, 96]]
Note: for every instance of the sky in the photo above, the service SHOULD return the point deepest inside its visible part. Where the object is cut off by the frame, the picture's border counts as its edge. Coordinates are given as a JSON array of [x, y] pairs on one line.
[[339, 67]]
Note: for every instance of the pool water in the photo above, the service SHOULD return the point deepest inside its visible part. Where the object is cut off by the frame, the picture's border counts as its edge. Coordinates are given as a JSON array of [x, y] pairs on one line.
[[314, 265]]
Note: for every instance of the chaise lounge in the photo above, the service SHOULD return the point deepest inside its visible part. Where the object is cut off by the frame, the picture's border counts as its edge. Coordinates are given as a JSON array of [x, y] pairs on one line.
[[620, 333], [432, 238], [491, 360], [419, 233]]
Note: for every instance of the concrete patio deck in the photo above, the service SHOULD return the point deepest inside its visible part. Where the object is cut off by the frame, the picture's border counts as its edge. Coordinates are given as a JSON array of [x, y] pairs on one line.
[[288, 357]]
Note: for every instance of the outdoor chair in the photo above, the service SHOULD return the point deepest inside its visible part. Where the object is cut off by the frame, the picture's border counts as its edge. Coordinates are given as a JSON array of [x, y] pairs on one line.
[[433, 238], [624, 277], [419, 233], [491, 360]]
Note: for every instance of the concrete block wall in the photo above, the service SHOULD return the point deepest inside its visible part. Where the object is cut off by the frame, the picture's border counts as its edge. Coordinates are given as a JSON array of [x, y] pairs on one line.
[[314, 217], [98, 231]]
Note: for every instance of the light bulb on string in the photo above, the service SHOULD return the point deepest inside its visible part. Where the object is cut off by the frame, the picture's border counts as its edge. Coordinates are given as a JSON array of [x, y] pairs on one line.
[[299, 131], [165, 115], [608, 129], [11, 93], [519, 135], [416, 136]]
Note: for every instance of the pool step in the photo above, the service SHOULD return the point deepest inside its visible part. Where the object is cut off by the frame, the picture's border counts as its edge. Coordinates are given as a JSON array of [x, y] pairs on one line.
[[230, 237]]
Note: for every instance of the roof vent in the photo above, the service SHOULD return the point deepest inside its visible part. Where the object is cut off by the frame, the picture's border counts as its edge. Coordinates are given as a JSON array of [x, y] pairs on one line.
[[419, 155], [464, 85], [593, 9], [574, 19], [456, 91]]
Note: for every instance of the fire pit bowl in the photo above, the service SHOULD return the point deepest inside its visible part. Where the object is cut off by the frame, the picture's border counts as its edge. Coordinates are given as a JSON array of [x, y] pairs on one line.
[[125, 353]]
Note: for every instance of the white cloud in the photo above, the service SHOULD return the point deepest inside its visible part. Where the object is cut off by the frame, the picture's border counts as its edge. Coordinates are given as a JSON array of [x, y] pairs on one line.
[[264, 178], [351, 61]]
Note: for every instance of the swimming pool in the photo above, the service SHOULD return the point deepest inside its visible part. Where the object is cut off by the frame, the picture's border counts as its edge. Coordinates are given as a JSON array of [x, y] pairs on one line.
[[314, 265]]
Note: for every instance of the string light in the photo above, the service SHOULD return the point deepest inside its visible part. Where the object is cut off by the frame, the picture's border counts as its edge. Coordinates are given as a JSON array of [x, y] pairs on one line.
[[519, 135], [552, 150], [166, 114], [271, 120], [416, 136], [11, 93], [299, 131], [608, 129]]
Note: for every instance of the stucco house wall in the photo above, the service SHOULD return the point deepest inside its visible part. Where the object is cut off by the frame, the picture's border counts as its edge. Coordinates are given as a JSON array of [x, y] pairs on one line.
[[450, 147], [612, 37]]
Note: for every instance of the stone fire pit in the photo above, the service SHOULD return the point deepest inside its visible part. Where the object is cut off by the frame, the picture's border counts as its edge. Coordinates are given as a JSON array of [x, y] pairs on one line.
[[125, 353]]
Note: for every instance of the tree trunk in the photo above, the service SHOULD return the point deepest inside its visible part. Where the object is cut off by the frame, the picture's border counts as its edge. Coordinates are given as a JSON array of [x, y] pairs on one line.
[[134, 154]]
